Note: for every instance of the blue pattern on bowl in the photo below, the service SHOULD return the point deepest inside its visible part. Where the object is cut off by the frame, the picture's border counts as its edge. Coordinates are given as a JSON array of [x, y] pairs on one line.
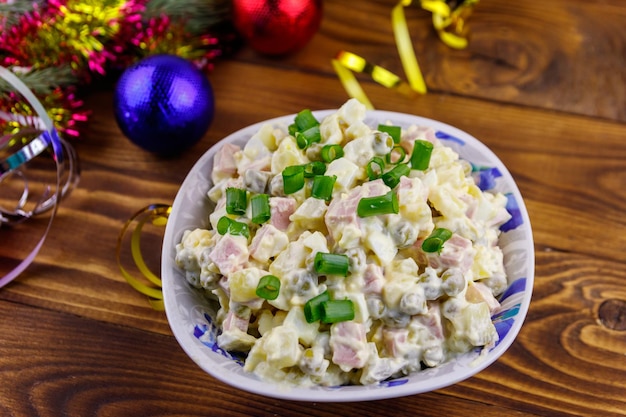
[[207, 334], [445, 136], [516, 216], [485, 177]]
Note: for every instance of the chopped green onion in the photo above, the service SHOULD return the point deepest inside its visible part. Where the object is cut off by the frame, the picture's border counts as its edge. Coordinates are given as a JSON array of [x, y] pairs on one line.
[[314, 168], [434, 242], [420, 157], [323, 186], [260, 206], [382, 204], [307, 137], [331, 264], [375, 168], [306, 129], [392, 177], [305, 120], [293, 178], [331, 152], [227, 225], [301, 141], [223, 224], [335, 311], [313, 307], [268, 288], [292, 129], [236, 201], [394, 131], [401, 154]]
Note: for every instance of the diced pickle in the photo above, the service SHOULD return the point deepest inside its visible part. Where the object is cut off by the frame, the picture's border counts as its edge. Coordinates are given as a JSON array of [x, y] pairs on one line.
[[276, 186], [256, 181]]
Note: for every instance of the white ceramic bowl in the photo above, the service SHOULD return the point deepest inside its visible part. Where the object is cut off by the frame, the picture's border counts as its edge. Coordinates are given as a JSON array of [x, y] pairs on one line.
[[191, 316]]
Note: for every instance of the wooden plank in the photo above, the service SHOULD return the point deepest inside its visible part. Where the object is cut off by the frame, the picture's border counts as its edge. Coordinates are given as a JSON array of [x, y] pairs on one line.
[[562, 362], [561, 55], [53, 363]]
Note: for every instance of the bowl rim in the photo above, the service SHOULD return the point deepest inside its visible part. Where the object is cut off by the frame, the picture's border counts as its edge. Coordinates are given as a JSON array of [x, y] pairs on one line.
[[198, 352]]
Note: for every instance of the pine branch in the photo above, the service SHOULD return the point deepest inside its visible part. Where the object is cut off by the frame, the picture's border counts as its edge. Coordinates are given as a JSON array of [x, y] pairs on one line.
[[199, 15], [11, 12], [43, 81]]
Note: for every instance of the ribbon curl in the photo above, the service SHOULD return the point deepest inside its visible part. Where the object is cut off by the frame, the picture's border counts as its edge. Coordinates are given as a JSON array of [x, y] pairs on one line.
[[32, 141], [157, 215], [450, 26]]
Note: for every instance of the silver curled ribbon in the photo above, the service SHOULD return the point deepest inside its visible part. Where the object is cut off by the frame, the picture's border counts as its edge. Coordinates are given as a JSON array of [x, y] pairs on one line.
[[38, 137]]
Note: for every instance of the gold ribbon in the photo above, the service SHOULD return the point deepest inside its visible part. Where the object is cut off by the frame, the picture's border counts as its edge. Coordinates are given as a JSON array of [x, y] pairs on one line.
[[450, 26], [157, 215]]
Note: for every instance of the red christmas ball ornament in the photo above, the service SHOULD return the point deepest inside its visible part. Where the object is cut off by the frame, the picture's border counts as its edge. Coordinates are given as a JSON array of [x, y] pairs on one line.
[[277, 27]]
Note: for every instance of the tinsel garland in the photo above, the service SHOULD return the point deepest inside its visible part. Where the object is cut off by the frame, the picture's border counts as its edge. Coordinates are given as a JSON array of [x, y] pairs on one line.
[[54, 46]]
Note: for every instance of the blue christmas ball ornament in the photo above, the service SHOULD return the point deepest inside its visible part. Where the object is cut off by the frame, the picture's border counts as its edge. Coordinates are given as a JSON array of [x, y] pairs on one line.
[[163, 104]]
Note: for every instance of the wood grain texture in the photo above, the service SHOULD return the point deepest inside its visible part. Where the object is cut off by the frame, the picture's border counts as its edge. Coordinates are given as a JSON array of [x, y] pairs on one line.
[[541, 84], [59, 364], [558, 55]]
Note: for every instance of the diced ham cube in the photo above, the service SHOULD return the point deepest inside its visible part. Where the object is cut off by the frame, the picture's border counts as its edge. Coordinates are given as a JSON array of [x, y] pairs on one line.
[[234, 321], [348, 342], [267, 243], [419, 133], [394, 340], [431, 320], [374, 278], [457, 252], [224, 164], [234, 335], [280, 209], [230, 253], [342, 210]]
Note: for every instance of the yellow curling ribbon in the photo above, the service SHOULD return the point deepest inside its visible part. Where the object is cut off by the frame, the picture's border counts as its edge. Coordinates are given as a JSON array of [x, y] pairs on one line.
[[350, 83], [449, 25], [405, 48], [157, 215]]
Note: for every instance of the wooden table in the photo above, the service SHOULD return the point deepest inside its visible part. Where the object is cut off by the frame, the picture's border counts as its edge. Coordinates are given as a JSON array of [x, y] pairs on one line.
[[542, 83]]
